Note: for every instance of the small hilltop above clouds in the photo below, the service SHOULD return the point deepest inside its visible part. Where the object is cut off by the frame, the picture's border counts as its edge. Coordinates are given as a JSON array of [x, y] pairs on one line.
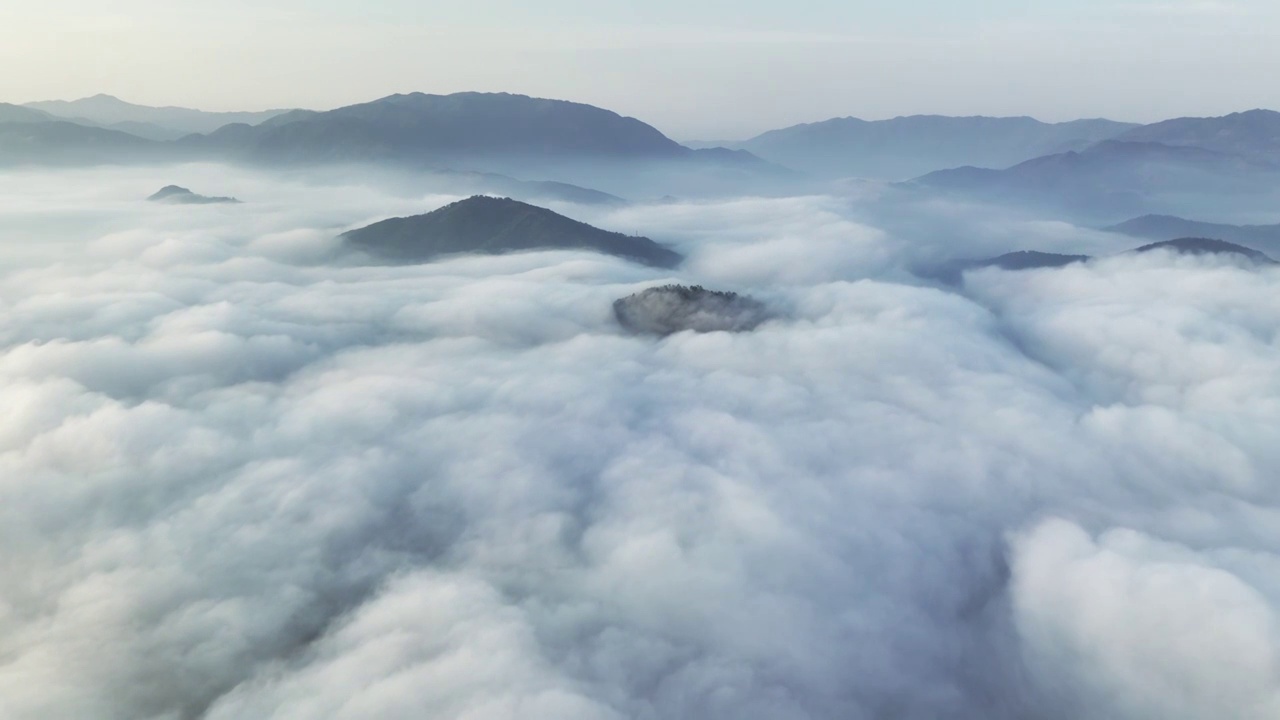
[[953, 271], [178, 195], [671, 309]]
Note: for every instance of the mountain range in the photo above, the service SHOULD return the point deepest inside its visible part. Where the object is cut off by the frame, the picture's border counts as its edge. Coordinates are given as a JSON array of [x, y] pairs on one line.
[[152, 123], [1113, 179], [1254, 134], [443, 128], [499, 133], [1095, 171], [906, 147], [490, 133]]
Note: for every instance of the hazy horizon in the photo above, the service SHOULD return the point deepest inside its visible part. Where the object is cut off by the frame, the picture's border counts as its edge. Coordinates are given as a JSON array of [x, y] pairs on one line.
[[714, 71]]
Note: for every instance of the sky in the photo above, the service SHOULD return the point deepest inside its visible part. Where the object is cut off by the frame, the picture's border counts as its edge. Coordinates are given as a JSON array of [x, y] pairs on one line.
[[696, 69]]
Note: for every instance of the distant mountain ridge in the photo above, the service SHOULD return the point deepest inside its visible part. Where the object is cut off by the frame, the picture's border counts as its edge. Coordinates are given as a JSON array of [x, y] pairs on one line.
[[1253, 134], [156, 123], [444, 127], [1109, 179], [57, 142], [10, 113], [1169, 227], [910, 146], [1206, 246], [501, 133], [1096, 171]]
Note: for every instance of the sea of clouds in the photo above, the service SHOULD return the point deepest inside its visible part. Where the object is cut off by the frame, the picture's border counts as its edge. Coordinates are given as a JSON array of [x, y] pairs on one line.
[[242, 476]]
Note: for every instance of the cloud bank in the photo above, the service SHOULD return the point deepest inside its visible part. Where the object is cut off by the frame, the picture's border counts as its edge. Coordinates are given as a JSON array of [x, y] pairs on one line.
[[239, 479]]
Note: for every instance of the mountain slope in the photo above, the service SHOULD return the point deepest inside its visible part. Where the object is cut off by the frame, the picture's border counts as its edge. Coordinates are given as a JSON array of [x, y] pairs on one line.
[[445, 128], [1254, 134], [491, 225], [115, 113], [907, 147], [1169, 227], [66, 143], [19, 114], [1112, 179]]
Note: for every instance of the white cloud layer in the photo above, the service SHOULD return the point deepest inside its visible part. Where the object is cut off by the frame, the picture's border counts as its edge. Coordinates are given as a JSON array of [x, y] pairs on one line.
[[242, 478]]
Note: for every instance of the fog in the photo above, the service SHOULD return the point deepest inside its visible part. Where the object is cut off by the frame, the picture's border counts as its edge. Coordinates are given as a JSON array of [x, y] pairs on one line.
[[244, 476]]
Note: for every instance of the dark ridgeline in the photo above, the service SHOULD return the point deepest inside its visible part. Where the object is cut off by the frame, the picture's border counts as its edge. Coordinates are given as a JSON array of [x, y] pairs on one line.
[[181, 196], [670, 309], [492, 225]]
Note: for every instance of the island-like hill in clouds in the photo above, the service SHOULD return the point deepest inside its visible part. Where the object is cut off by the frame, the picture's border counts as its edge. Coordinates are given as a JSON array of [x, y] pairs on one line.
[[907, 147], [177, 195], [153, 123], [953, 271], [490, 225]]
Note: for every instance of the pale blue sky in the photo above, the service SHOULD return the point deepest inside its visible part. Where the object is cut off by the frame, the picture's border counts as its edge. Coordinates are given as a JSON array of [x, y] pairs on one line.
[[694, 68]]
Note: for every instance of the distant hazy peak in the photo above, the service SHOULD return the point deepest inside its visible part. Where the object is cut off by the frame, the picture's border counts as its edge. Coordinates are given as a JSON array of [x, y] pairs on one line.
[[111, 111], [19, 113], [914, 145]]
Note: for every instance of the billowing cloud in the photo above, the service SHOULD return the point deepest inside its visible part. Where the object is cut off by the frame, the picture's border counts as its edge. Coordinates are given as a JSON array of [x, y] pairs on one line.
[[240, 478]]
